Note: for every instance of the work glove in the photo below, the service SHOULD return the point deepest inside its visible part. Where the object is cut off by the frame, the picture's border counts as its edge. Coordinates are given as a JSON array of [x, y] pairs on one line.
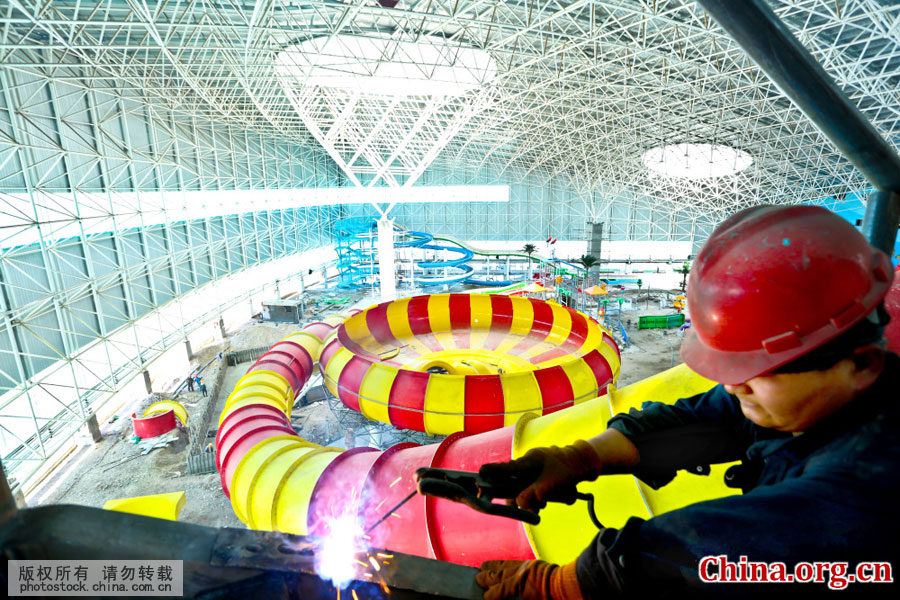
[[528, 580], [552, 472]]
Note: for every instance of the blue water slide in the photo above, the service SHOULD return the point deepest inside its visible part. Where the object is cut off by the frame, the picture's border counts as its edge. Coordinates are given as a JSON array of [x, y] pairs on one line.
[[453, 262], [568, 264], [465, 274], [489, 282], [357, 255], [460, 262], [355, 247], [407, 239]]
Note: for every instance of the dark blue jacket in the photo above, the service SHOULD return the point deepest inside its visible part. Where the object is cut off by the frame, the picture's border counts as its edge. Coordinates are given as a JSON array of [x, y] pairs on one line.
[[829, 494]]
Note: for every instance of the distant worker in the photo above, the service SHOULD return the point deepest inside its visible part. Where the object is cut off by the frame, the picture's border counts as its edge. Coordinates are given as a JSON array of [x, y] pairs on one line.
[[785, 305], [350, 439], [203, 387], [190, 383]]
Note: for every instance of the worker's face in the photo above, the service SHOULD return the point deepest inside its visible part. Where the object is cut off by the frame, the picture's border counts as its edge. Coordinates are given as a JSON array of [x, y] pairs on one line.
[[795, 401]]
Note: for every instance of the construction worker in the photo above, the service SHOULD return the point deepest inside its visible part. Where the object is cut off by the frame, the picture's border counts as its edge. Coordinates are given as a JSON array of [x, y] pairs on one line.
[[785, 306]]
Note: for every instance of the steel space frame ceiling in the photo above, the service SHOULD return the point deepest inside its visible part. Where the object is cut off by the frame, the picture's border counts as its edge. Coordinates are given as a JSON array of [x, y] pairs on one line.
[[583, 88]]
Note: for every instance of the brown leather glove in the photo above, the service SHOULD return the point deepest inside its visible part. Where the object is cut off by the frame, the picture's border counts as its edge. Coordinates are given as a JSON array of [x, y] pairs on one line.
[[528, 580], [557, 470]]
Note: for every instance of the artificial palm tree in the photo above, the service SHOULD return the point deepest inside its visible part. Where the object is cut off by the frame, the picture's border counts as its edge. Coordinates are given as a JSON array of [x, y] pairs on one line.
[[587, 261], [684, 270]]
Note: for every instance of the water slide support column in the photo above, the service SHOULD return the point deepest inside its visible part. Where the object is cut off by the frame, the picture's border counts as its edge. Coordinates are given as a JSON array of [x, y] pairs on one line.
[[386, 254], [412, 267]]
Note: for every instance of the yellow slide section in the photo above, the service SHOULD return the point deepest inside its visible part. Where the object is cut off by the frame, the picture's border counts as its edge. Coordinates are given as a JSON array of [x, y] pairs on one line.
[[161, 506], [164, 405], [618, 497]]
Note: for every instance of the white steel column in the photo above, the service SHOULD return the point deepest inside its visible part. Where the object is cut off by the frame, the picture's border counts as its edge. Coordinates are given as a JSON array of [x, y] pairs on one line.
[[386, 253]]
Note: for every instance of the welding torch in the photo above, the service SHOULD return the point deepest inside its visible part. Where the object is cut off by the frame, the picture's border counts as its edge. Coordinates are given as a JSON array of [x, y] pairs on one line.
[[479, 493]]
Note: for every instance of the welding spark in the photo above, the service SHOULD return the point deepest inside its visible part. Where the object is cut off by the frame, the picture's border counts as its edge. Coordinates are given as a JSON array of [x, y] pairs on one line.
[[355, 597], [396, 481], [375, 564], [335, 559], [383, 555]]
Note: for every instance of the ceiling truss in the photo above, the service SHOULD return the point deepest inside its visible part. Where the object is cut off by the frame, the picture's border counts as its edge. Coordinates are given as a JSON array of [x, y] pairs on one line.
[[583, 88]]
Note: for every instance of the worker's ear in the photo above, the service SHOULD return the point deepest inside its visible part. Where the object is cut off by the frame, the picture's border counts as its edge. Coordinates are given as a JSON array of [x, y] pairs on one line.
[[868, 363]]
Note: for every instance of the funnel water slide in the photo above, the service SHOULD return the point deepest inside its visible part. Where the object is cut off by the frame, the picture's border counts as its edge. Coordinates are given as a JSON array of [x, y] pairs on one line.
[[278, 481], [459, 362]]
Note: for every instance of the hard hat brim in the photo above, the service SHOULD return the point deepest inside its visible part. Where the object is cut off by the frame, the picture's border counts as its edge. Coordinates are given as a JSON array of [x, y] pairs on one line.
[[730, 368], [733, 368]]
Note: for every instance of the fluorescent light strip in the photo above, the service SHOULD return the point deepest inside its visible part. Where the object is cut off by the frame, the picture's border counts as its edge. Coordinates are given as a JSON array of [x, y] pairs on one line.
[[161, 207]]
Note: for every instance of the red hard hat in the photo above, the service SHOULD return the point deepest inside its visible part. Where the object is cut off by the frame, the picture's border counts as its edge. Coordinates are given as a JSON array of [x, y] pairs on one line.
[[773, 283]]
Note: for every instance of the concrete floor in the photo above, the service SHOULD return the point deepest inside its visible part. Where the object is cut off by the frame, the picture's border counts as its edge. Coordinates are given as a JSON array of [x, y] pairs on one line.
[[91, 475]]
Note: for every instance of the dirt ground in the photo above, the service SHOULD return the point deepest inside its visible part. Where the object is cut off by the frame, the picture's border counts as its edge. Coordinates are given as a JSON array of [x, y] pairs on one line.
[[115, 468], [95, 473]]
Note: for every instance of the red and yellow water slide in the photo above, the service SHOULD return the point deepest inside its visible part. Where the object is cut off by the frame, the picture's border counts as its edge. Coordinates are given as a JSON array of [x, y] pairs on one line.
[[494, 373], [456, 362]]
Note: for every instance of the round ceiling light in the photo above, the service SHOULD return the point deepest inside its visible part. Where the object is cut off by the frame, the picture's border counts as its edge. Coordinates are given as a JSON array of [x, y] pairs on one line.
[[696, 161], [430, 66]]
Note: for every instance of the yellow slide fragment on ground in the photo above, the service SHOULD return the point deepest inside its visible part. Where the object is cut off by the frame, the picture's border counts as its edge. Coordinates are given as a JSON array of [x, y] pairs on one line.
[[162, 506]]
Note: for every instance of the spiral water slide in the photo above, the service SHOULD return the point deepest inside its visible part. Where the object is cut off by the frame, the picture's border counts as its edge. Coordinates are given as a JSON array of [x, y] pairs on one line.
[[357, 254], [459, 262], [464, 253], [357, 262], [551, 262], [278, 481], [467, 253]]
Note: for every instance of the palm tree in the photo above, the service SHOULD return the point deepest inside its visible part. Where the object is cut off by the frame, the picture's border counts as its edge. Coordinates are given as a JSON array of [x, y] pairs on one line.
[[529, 249], [587, 261], [684, 270], [639, 284]]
